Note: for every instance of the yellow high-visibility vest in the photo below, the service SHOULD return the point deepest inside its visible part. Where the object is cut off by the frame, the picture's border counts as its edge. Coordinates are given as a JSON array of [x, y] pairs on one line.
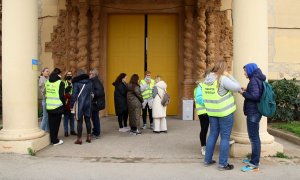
[[199, 108], [52, 95], [216, 105], [147, 94], [66, 85]]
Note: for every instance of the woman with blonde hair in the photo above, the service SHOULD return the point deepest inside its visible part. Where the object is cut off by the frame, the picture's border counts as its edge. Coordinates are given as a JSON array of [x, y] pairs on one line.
[[219, 103], [158, 110]]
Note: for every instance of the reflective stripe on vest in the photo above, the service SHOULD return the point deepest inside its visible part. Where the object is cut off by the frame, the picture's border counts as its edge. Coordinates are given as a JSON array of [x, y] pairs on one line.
[[199, 108], [216, 105], [148, 92], [52, 95]]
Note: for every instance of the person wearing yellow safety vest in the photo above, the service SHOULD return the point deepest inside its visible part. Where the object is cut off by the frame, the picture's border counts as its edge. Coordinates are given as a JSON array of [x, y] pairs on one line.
[[202, 115], [68, 116], [147, 85], [219, 103], [55, 103]]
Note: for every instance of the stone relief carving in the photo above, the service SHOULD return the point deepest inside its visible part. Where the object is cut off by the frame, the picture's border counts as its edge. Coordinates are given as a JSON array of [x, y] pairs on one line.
[[95, 40], [225, 37], [82, 44], [188, 46], [213, 37], [210, 38], [58, 42], [73, 40], [201, 41]]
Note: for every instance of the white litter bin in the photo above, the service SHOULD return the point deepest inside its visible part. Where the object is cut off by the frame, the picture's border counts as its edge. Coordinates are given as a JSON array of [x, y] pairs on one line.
[[187, 109]]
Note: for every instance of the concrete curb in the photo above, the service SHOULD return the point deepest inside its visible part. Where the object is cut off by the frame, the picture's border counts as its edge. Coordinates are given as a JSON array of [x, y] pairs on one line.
[[284, 135]]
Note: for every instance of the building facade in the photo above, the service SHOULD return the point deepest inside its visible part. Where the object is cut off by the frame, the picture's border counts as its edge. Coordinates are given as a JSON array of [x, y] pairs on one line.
[[178, 39]]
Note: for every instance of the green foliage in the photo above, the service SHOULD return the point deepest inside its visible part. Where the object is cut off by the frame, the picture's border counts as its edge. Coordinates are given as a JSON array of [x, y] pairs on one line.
[[287, 100], [293, 127], [31, 152], [282, 155]]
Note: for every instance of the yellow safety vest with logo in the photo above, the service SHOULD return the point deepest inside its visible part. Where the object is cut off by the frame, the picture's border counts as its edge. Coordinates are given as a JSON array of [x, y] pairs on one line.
[[199, 108], [52, 95], [216, 105], [66, 85], [147, 94]]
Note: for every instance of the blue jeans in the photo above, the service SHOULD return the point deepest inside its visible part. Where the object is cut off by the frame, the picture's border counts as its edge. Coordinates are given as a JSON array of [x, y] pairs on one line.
[[45, 123], [96, 123], [68, 116], [253, 133], [222, 126]]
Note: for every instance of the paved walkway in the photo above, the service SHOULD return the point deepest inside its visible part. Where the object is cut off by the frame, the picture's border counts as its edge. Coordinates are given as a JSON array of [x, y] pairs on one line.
[[117, 155]]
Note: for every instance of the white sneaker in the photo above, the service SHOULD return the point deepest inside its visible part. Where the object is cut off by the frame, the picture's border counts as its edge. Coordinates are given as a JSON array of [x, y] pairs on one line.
[[125, 129], [59, 143], [203, 148], [128, 128], [144, 126]]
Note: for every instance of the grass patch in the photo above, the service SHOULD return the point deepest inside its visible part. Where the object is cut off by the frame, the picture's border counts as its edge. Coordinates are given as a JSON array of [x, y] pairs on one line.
[[282, 155], [293, 127], [31, 152]]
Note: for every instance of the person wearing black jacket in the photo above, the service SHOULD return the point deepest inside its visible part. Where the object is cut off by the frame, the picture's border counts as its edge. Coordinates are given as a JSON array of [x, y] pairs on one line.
[[84, 101], [55, 105], [98, 102], [120, 98]]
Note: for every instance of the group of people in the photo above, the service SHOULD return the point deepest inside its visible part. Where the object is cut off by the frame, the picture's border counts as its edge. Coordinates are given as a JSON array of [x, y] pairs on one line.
[[130, 99], [214, 101], [59, 97], [215, 106]]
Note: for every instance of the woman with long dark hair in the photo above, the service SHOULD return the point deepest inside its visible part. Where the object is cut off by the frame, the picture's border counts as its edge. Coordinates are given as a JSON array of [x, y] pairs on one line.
[[120, 98], [134, 101]]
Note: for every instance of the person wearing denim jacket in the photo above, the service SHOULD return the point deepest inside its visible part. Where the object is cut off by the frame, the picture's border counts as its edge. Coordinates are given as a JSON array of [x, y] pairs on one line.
[[42, 80], [252, 95], [219, 102]]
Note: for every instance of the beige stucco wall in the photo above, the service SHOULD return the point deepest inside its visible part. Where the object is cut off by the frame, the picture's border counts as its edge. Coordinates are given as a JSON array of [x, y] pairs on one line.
[[48, 13], [284, 39]]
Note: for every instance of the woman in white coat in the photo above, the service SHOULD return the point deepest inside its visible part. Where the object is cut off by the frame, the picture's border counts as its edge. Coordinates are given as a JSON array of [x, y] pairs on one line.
[[158, 110]]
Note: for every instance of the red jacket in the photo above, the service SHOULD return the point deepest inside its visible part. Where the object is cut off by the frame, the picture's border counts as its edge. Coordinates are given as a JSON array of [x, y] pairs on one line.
[[68, 98]]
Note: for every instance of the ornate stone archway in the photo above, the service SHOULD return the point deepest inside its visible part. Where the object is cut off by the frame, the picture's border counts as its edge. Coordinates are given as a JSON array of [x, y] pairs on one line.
[[205, 35]]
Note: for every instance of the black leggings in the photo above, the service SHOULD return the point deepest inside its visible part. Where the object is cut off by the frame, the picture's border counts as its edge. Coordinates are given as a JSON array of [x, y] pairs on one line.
[[54, 123], [122, 118], [204, 123], [144, 114], [79, 126]]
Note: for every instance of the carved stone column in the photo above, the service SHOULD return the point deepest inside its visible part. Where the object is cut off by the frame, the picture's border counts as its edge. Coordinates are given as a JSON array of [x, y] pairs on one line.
[[73, 39], [200, 63], [82, 37], [188, 85], [250, 36], [95, 38], [210, 36]]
